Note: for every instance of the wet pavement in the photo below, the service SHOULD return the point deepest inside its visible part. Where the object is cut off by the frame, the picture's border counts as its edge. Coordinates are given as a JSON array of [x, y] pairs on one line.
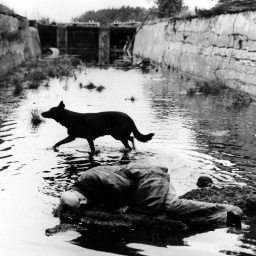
[[193, 136]]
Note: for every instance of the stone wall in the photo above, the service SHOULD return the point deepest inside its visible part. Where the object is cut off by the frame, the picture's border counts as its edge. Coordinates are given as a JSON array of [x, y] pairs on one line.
[[221, 47], [18, 42]]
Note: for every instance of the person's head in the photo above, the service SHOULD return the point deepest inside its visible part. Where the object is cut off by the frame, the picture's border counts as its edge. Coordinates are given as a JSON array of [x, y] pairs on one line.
[[72, 199]]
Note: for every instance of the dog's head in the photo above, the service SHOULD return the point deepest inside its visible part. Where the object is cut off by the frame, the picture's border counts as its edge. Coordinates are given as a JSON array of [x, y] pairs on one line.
[[55, 112]]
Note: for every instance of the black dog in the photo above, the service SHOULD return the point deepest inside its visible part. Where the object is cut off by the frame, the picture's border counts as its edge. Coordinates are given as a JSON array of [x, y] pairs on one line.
[[93, 125]]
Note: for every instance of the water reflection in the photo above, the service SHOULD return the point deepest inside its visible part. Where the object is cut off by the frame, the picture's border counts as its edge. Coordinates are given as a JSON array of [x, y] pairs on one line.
[[116, 241]]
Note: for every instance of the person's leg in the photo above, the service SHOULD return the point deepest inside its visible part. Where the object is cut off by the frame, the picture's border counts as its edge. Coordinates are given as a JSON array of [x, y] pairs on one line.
[[199, 212]]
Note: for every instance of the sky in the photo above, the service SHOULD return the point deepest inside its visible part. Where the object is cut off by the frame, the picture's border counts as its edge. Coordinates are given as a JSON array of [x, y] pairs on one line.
[[65, 10]]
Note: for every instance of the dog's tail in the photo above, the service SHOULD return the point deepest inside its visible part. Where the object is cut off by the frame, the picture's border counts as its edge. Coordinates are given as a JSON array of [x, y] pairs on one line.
[[139, 136]]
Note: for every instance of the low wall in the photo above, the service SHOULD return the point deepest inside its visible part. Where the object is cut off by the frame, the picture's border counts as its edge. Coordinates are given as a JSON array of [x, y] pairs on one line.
[[221, 47], [18, 42]]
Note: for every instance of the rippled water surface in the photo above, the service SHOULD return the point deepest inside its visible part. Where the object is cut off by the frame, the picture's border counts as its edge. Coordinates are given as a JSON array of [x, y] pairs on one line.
[[193, 136]]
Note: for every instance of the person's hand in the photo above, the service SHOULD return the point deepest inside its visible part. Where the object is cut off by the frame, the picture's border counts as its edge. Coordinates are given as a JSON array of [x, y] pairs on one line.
[[234, 216], [123, 209]]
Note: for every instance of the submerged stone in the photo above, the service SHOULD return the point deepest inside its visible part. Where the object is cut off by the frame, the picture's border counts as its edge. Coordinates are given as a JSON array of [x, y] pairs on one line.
[[204, 181]]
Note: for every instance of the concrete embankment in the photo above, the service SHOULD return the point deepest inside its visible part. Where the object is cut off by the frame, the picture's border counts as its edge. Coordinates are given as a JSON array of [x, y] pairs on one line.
[[18, 42], [221, 47]]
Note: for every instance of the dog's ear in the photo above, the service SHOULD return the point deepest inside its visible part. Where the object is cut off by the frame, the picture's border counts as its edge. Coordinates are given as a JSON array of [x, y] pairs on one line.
[[61, 105]]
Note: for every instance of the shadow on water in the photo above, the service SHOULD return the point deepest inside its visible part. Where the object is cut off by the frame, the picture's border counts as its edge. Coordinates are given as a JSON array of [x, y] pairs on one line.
[[118, 241], [193, 136]]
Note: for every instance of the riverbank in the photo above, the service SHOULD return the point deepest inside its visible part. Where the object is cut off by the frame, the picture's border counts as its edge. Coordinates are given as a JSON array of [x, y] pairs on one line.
[[220, 47]]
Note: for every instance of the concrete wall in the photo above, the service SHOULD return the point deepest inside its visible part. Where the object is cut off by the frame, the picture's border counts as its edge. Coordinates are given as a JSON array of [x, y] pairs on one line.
[[18, 42], [219, 47], [104, 38]]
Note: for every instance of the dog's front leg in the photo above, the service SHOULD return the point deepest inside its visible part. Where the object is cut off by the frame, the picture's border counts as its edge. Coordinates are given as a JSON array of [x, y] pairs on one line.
[[90, 141], [66, 140]]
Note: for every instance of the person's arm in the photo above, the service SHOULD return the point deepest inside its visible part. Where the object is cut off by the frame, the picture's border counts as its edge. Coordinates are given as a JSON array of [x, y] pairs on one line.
[[117, 190]]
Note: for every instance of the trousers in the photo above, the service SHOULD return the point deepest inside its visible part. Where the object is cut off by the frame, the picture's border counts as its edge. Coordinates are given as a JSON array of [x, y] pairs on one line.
[[195, 212]]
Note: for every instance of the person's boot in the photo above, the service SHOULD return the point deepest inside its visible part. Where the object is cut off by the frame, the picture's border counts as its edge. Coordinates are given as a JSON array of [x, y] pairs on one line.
[[234, 217]]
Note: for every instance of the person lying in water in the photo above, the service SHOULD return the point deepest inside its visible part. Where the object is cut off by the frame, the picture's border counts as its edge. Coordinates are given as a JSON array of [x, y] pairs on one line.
[[145, 189]]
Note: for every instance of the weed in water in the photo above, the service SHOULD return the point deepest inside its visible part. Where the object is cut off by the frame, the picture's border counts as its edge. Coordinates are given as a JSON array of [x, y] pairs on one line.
[[75, 61], [213, 87], [51, 72], [204, 88], [17, 82], [33, 85], [100, 88], [132, 98], [47, 84], [191, 91], [90, 86], [217, 86], [65, 87], [197, 84], [241, 99], [18, 90], [37, 75], [64, 71], [35, 117]]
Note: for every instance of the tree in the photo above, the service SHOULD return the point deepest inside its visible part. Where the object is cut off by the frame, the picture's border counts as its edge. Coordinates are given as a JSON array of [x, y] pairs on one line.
[[105, 16], [168, 8]]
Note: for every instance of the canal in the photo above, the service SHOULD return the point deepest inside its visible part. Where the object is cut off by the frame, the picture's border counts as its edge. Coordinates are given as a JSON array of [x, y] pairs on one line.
[[194, 136]]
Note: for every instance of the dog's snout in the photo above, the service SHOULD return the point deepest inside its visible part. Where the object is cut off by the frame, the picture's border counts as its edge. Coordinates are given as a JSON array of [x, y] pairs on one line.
[[43, 114]]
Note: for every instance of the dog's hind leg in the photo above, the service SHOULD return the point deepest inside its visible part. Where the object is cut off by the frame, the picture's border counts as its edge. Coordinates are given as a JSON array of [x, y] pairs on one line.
[[125, 142], [91, 144], [131, 139], [66, 140]]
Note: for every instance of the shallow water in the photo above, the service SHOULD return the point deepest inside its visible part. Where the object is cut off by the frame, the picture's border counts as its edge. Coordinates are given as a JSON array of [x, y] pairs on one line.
[[193, 136]]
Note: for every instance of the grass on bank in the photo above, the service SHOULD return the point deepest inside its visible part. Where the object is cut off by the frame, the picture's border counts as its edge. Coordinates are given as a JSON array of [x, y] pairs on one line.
[[239, 99], [226, 7], [213, 87], [33, 73]]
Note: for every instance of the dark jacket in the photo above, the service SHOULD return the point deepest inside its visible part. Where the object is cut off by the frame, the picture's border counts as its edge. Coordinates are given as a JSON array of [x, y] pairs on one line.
[[142, 187]]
